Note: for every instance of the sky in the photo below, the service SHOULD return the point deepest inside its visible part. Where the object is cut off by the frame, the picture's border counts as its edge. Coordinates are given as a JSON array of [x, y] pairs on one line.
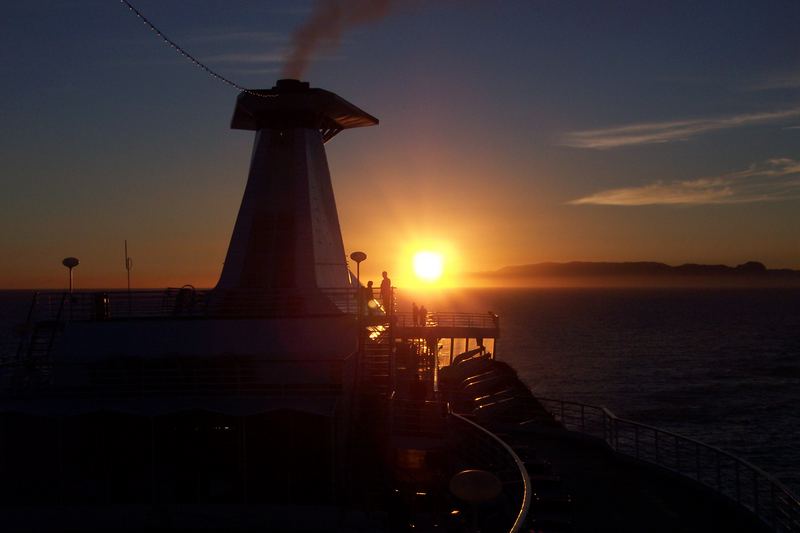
[[511, 132]]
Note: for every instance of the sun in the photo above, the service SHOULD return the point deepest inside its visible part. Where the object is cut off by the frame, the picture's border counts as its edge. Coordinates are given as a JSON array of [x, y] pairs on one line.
[[428, 266]]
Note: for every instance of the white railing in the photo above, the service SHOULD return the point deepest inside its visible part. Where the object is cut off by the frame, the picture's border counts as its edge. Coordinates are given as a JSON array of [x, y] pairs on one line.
[[459, 320], [726, 474], [481, 444]]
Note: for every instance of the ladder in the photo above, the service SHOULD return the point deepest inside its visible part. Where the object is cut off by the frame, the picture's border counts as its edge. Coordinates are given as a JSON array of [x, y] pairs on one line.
[[376, 372]]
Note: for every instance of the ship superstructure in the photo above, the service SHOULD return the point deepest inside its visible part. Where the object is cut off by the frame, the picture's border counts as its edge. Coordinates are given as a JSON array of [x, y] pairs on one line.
[[270, 391], [283, 399]]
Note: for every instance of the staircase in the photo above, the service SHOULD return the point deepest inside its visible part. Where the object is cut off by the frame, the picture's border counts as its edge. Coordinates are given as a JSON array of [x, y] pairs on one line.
[[41, 340], [376, 362], [38, 336]]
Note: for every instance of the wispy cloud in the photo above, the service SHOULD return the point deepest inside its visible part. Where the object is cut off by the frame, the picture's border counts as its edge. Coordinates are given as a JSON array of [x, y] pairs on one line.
[[238, 36], [275, 56], [669, 131], [256, 71], [272, 57], [786, 81], [775, 179]]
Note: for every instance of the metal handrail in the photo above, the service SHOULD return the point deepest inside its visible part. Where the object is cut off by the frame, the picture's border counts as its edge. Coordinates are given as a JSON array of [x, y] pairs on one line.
[[28, 326], [522, 514], [198, 303], [55, 328], [469, 320], [728, 475]]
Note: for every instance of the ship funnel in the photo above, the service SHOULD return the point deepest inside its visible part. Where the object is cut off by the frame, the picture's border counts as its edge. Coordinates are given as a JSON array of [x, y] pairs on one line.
[[287, 233]]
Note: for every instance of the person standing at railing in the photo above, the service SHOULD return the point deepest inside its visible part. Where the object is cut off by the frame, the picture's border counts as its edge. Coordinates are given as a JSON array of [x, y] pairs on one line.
[[369, 298], [386, 293], [423, 315], [414, 313]]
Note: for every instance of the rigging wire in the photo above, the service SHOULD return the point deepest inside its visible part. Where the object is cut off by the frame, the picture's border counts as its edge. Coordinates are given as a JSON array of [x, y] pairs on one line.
[[189, 56]]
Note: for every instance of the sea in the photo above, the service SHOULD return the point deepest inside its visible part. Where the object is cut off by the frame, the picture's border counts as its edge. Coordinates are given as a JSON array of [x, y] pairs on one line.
[[721, 366], [718, 365]]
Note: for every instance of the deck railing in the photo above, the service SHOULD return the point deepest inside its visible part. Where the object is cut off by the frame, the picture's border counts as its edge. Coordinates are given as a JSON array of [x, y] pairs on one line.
[[50, 310], [726, 474], [188, 302], [459, 320], [486, 450]]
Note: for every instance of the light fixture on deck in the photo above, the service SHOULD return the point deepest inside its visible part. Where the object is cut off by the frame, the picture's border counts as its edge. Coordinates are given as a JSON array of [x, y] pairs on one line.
[[70, 263], [358, 257]]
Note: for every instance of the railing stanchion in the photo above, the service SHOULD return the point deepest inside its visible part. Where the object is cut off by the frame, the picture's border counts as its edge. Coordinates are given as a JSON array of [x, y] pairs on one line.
[[583, 420], [738, 484], [755, 492], [655, 438], [29, 327], [773, 510], [697, 461], [452, 343]]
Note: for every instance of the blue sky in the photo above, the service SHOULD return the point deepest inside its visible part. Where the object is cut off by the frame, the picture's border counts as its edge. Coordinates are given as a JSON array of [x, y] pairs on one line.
[[511, 132]]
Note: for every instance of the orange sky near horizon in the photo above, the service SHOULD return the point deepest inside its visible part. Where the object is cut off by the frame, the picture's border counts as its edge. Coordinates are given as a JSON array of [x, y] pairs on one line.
[[461, 214], [532, 132], [389, 244]]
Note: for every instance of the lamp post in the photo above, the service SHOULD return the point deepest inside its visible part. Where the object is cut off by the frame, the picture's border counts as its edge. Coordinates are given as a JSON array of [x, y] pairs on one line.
[[358, 257], [70, 263]]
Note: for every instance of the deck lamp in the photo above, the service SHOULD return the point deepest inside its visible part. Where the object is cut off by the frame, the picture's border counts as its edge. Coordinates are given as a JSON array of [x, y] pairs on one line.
[[70, 263], [358, 257]]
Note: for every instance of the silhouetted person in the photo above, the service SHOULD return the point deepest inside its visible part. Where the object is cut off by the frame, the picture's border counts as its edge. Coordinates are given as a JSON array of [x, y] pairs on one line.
[[368, 296], [414, 313], [386, 293], [423, 315]]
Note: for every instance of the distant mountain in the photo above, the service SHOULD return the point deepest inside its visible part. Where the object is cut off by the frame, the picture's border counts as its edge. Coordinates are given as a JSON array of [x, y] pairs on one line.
[[638, 273]]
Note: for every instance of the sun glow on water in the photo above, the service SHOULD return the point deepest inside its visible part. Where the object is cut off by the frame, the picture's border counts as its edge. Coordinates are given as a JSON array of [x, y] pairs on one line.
[[428, 266]]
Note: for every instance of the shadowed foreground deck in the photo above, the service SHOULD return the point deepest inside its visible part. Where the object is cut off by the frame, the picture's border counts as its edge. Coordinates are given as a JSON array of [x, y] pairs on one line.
[[578, 482], [613, 493]]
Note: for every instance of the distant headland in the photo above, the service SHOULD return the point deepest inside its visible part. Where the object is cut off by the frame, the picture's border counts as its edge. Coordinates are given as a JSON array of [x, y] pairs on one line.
[[636, 274]]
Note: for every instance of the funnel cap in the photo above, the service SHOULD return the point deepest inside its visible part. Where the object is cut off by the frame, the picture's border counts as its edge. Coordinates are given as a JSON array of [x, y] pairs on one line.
[[295, 104]]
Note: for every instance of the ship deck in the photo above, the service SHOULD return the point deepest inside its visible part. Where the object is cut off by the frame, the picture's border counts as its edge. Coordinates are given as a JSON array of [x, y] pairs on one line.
[[429, 419], [611, 493]]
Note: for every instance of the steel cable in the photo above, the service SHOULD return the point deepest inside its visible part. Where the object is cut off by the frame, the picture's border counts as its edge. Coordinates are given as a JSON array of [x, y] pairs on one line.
[[189, 56]]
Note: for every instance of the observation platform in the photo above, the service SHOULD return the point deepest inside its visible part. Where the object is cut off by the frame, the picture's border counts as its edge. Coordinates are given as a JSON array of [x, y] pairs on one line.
[[448, 326]]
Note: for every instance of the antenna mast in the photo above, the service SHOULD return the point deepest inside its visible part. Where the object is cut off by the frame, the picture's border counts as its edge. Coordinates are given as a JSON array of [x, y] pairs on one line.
[[128, 265]]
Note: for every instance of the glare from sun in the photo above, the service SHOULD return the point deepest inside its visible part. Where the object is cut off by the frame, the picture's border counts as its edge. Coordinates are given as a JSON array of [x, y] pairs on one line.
[[428, 266]]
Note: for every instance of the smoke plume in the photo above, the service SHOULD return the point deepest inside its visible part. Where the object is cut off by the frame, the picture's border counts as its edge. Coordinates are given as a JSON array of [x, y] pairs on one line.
[[328, 21]]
